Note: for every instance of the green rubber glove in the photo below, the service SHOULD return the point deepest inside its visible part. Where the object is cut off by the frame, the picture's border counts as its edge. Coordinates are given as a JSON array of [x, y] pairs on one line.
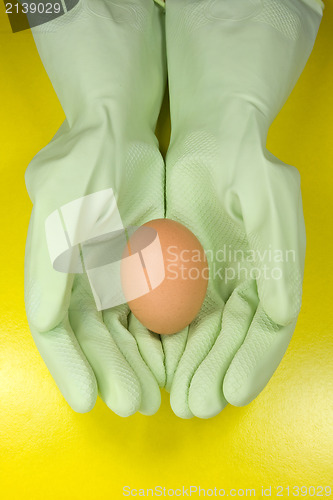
[[231, 67], [106, 62]]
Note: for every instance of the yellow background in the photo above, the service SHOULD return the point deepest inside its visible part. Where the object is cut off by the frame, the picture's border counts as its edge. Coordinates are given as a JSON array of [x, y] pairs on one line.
[[285, 437]]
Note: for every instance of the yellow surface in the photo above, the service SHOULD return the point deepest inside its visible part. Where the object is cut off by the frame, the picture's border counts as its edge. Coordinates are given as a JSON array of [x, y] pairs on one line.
[[285, 437]]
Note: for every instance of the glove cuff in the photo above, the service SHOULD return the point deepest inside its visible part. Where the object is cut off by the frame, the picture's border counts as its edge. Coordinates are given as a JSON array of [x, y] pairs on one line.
[[317, 5]]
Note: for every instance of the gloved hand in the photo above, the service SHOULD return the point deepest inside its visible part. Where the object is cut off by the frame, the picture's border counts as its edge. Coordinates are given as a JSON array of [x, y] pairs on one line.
[[105, 60], [231, 67]]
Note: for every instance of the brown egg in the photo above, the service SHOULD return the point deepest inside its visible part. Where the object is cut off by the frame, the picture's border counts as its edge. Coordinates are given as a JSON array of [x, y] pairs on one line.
[[164, 275]]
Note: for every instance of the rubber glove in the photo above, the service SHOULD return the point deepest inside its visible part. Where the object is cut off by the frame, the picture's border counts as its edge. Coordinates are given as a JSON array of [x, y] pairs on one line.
[[231, 67], [105, 60]]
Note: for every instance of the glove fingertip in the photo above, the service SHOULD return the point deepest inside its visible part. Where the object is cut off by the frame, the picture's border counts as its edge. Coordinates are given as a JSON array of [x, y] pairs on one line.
[[83, 403], [123, 408], [154, 404], [241, 396]]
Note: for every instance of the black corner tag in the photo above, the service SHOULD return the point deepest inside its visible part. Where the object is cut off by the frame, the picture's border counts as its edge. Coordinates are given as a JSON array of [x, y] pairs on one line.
[[24, 15]]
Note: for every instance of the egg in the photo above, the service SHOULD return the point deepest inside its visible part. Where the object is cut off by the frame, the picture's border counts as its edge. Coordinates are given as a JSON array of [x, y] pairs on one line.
[[164, 275]]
